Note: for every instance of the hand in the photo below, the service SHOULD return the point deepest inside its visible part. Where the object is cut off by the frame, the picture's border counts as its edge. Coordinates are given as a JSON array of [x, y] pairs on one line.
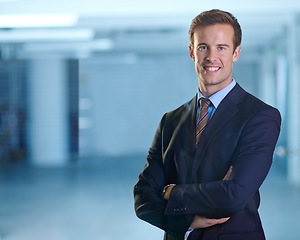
[[227, 176], [168, 192], [203, 222]]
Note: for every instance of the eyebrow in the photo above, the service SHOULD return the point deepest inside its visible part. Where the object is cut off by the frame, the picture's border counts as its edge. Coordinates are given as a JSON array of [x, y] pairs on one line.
[[219, 45], [223, 45]]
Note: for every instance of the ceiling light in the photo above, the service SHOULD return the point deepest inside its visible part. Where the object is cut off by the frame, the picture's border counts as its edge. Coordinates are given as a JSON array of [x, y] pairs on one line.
[[96, 45], [45, 35], [37, 20]]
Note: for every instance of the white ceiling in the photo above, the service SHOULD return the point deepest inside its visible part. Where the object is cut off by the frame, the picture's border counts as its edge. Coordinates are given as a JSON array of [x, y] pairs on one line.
[[139, 7], [155, 25]]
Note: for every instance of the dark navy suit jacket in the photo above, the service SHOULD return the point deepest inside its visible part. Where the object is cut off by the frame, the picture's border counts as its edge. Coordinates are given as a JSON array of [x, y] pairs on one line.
[[242, 133]]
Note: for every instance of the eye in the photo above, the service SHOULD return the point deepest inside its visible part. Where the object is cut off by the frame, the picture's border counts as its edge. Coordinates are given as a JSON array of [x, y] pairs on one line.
[[221, 48], [202, 48]]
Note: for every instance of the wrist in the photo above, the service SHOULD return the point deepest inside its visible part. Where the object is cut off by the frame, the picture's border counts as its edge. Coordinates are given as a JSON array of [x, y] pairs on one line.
[[165, 190]]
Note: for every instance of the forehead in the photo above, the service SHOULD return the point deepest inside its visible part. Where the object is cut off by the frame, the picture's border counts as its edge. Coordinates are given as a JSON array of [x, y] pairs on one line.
[[214, 34]]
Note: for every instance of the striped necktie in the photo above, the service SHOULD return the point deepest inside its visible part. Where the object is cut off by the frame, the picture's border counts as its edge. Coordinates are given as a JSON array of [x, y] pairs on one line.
[[202, 119]]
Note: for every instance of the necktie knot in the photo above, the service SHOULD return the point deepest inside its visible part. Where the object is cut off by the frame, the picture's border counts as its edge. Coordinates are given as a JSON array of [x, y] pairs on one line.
[[204, 103]]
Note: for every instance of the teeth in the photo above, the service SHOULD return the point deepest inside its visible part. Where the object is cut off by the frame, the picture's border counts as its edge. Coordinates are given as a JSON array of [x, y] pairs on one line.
[[212, 69]]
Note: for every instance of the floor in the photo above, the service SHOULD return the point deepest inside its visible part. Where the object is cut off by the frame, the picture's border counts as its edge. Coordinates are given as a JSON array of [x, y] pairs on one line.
[[92, 199]]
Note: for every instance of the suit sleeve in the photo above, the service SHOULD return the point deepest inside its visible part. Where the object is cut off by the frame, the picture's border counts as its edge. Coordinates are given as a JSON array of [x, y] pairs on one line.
[[252, 160], [149, 204]]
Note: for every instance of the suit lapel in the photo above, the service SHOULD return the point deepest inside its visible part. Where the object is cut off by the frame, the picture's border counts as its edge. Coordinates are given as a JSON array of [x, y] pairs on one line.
[[184, 141], [187, 130], [225, 111]]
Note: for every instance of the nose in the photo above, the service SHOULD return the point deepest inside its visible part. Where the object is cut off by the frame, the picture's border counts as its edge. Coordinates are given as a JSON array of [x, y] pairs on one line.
[[211, 55]]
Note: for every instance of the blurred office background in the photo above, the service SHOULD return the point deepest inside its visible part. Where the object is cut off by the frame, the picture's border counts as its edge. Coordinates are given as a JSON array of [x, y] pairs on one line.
[[83, 85]]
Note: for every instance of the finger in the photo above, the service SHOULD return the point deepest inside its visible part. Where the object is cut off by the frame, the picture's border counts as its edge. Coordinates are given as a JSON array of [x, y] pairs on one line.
[[227, 176], [222, 220], [212, 222], [203, 222]]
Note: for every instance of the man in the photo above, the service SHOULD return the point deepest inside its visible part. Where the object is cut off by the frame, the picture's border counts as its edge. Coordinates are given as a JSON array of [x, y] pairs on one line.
[[210, 156]]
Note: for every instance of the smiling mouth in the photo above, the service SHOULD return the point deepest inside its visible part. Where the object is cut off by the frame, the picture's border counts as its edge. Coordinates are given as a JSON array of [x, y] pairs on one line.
[[212, 69]]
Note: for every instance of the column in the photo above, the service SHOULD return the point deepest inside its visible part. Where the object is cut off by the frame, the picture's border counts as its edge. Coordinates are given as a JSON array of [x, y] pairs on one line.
[[267, 83], [47, 120], [293, 109]]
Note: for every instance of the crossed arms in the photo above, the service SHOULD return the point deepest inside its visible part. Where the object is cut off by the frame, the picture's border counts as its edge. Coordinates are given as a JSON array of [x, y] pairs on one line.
[[200, 205], [200, 221]]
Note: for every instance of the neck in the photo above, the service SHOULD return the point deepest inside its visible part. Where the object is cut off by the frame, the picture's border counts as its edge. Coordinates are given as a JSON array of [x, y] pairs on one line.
[[208, 90]]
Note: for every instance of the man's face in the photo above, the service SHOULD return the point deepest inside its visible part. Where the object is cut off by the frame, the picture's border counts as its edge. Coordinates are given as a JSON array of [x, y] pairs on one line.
[[214, 54]]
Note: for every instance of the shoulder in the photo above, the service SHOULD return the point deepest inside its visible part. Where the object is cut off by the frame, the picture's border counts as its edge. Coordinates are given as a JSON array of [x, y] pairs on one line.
[[257, 104], [172, 120], [253, 106], [177, 113]]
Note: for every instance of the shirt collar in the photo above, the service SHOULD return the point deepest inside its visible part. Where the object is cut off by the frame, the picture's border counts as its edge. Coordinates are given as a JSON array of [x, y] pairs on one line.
[[217, 97]]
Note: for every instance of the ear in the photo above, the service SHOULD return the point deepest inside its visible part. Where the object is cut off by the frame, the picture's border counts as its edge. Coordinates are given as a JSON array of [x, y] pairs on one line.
[[191, 51], [236, 53]]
